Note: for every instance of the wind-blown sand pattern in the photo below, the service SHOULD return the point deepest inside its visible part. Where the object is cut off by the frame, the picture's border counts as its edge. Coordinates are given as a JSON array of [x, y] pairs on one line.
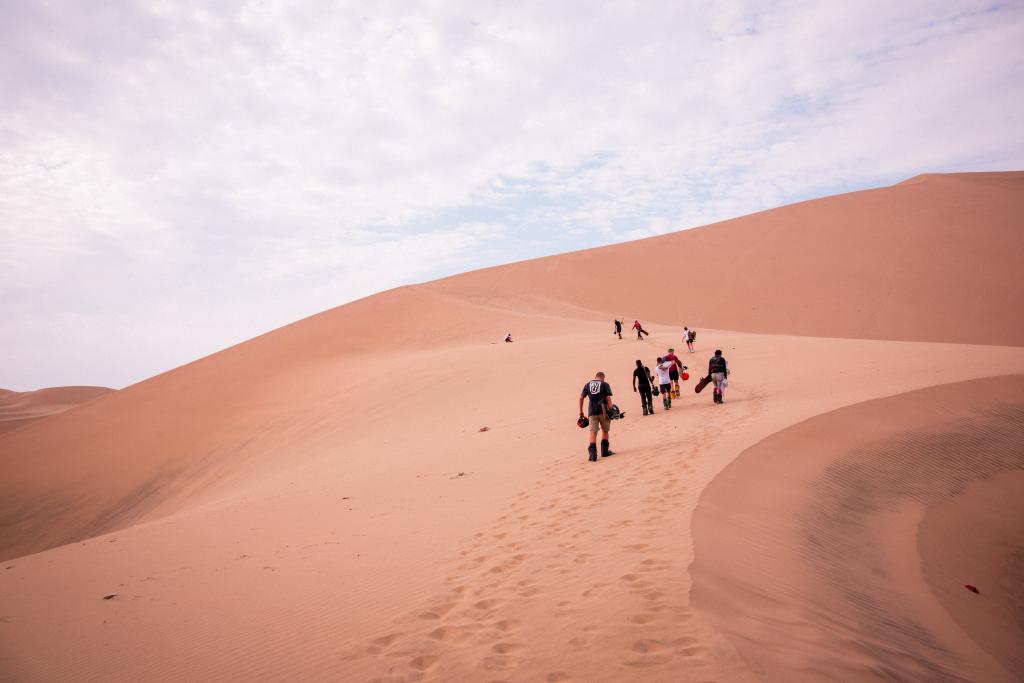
[[829, 512], [319, 503], [19, 408]]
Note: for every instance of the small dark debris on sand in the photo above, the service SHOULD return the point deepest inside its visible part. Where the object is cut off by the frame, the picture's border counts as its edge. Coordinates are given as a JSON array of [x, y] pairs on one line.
[[110, 596]]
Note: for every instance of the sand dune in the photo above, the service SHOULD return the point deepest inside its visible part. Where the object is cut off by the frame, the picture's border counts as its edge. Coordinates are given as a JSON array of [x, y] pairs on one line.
[[807, 546], [18, 408], [936, 258], [320, 502]]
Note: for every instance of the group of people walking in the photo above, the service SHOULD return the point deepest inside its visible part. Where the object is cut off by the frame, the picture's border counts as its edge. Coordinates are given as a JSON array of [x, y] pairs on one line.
[[669, 370], [689, 336]]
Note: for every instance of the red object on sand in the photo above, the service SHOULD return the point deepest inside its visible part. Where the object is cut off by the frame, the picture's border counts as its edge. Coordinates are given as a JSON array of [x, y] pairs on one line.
[[971, 588], [686, 376]]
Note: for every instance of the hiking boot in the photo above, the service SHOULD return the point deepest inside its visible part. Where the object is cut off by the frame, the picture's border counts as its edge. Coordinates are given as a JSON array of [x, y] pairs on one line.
[[606, 449], [646, 412], [592, 449]]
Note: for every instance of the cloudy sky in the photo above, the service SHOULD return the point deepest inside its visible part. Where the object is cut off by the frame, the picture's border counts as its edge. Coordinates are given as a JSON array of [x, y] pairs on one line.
[[175, 178]]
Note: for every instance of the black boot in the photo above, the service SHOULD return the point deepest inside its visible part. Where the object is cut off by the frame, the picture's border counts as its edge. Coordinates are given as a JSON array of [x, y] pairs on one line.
[[605, 449], [645, 411], [592, 449]]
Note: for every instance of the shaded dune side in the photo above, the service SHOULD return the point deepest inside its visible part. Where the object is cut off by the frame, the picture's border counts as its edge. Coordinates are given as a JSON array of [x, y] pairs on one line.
[[806, 546], [19, 408], [268, 403], [934, 259], [967, 541]]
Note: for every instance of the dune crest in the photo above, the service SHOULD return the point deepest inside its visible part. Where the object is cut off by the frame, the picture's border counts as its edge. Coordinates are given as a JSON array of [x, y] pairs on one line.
[[807, 545], [388, 491], [933, 259]]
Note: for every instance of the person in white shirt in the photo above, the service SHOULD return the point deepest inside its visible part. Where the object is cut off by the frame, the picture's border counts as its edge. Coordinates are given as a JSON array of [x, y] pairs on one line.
[[689, 336], [664, 369]]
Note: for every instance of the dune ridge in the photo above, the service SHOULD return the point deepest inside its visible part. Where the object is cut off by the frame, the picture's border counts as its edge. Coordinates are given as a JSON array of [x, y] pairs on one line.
[[829, 513], [323, 501], [932, 259], [192, 420]]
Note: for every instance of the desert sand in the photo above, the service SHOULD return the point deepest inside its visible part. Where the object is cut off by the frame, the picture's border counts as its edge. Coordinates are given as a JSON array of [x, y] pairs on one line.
[[18, 408], [321, 503]]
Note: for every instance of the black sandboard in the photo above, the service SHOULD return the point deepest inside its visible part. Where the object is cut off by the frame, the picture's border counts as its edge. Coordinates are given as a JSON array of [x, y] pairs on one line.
[[701, 384]]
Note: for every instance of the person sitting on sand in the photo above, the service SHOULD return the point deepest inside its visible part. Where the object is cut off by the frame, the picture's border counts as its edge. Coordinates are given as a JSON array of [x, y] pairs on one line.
[[642, 381], [718, 368], [508, 338], [600, 394], [640, 331]]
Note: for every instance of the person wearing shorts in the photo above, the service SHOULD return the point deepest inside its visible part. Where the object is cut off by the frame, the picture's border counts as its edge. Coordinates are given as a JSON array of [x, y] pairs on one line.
[[718, 368], [677, 367], [665, 380], [600, 394], [689, 336]]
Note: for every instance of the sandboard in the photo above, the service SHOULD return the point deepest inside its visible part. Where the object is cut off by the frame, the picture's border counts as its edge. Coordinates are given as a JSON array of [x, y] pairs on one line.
[[701, 384]]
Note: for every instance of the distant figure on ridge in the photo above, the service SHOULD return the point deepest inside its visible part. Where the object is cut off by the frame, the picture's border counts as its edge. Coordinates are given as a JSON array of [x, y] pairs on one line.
[[642, 382], [508, 338], [718, 369], [600, 394], [640, 331], [618, 328], [673, 374], [689, 336], [664, 378]]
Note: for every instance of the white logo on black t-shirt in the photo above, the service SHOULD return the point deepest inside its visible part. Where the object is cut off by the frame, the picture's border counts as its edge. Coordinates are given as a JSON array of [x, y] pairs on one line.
[[595, 387]]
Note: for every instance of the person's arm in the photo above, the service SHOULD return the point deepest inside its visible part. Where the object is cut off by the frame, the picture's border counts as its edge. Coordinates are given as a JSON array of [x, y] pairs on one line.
[[608, 397], [581, 405], [725, 363], [634, 380]]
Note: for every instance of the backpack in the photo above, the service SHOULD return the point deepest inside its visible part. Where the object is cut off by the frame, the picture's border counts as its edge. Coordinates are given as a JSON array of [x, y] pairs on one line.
[[693, 335]]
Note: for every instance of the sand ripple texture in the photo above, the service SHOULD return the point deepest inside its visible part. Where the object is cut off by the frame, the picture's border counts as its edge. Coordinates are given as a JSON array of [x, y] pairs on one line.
[[838, 549]]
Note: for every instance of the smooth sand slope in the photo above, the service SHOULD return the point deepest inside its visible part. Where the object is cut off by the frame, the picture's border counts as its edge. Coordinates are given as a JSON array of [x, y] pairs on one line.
[[936, 258], [320, 502], [838, 549], [18, 408]]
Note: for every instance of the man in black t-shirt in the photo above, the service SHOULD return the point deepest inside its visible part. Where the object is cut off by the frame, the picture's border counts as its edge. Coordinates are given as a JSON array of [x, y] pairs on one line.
[[642, 383], [600, 394]]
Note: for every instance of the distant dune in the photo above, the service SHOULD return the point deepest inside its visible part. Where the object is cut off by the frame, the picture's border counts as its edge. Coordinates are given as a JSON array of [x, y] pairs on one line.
[[18, 408], [936, 258], [387, 491]]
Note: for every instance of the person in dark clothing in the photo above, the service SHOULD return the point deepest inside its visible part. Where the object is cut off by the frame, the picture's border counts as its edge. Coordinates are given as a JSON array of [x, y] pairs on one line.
[[718, 369], [640, 331], [618, 327], [600, 394], [642, 381]]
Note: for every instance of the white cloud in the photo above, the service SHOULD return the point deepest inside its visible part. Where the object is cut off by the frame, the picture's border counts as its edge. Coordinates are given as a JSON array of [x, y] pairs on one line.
[[174, 179]]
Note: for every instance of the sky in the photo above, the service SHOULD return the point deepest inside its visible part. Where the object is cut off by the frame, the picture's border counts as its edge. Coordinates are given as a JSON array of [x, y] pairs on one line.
[[178, 177]]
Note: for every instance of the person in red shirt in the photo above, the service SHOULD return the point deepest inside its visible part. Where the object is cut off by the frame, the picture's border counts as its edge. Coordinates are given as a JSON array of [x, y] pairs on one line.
[[640, 331], [677, 367]]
